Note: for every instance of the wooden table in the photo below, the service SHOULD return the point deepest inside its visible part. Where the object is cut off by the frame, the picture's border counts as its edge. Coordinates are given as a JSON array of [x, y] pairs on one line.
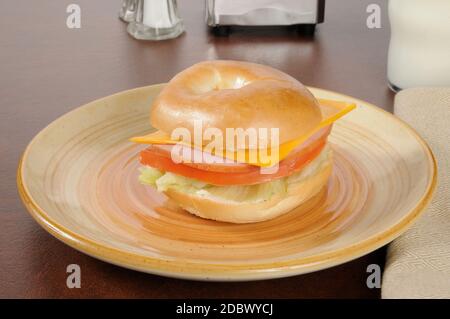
[[48, 69]]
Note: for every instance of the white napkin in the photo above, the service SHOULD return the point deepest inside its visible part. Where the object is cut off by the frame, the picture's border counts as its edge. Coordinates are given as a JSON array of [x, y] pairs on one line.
[[418, 262]]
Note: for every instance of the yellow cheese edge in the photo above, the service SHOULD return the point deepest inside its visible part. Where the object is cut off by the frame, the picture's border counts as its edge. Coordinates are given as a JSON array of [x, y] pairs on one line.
[[331, 111]]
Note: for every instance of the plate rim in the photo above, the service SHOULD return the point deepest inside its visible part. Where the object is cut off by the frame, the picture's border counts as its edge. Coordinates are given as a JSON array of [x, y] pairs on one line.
[[184, 269]]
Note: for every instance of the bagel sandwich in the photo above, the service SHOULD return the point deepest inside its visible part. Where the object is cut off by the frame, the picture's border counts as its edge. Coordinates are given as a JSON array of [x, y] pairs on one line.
[[238, 142]]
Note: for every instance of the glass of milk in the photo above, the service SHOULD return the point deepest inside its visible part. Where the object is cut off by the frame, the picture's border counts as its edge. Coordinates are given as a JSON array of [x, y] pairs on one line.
[[156, 20], [419, 51]]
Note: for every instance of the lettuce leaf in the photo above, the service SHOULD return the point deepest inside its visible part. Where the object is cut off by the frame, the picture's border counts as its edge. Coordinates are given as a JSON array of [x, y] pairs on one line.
[[149, 175], [162, 181]]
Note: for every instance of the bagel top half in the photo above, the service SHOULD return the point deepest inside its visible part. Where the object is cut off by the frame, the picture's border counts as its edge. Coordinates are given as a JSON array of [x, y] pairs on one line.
[[231, 94]]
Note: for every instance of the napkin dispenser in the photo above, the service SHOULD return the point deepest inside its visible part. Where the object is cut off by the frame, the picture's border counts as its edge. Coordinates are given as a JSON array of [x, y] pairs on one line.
[[264, 12]]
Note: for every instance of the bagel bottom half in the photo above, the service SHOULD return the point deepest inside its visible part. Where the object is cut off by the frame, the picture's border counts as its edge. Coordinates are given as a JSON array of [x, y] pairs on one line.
[[249, 212]]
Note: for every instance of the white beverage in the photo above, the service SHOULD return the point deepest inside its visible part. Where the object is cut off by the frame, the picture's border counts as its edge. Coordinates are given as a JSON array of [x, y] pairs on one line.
[[419, 51]]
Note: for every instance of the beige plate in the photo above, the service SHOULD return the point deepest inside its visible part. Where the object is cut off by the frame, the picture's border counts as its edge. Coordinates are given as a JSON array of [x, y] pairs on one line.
[[78, 179]]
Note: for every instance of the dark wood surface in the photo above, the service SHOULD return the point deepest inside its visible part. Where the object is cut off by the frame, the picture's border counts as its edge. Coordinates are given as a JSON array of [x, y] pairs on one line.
[[48, 69]]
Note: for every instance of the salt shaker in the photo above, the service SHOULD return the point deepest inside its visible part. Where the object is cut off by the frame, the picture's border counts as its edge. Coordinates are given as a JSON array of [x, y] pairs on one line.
[[128, 11], [156, 20]]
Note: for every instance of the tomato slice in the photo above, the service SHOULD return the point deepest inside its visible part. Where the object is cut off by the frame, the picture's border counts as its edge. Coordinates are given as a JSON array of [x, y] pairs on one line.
[[161, 159]]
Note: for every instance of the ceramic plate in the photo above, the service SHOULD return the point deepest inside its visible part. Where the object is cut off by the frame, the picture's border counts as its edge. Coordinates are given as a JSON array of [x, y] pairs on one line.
[[78, 179]]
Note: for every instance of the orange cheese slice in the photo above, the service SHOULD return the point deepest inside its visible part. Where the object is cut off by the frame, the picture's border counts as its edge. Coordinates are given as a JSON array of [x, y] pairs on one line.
[[331, 111]]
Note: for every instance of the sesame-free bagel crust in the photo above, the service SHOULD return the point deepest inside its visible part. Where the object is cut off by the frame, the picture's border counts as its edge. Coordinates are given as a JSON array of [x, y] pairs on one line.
[[232, 94]]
